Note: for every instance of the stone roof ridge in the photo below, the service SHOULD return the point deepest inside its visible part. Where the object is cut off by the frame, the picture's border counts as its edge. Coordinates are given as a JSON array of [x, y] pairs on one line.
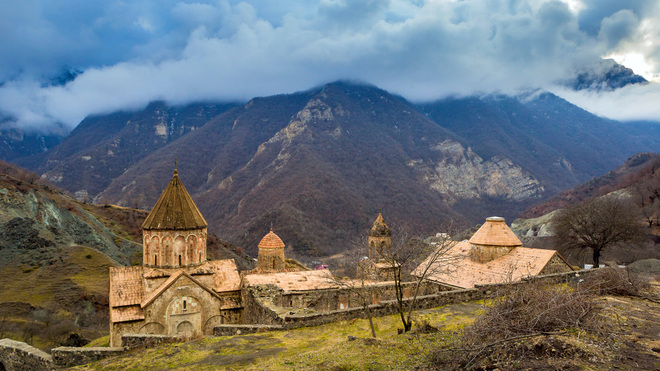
[[173, 278], [495, 232], [175, 209], [271, 241], [380, 229]]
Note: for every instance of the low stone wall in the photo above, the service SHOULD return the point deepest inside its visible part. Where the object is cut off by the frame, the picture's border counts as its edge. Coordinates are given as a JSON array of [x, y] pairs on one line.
[[132, 341], [229, 330], [296, 320], [74, 356], [18, 356]]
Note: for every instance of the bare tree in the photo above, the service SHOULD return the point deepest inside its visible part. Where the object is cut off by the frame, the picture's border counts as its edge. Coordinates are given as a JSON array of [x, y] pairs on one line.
[[358, 287], [597, 224], [412, 253], [647, 197]]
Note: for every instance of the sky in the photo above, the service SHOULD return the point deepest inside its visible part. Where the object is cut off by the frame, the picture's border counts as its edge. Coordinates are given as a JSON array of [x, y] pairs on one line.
[[130, 52]]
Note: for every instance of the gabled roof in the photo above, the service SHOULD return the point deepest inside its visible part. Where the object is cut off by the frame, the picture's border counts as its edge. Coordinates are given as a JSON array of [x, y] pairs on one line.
[[175, 209], [173, 278], [271, 241], [457, 269], [380, 229], [225, 273], [125, 286], [495, 232]]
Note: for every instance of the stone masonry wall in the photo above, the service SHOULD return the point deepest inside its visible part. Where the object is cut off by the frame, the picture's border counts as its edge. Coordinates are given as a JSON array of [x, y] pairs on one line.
[[18, 356], [132, 341], [74, 356], [266, 310], [229, 330]]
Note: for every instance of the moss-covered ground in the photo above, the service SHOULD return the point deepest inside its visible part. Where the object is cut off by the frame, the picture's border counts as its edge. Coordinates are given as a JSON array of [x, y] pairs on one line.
[[324, 347]]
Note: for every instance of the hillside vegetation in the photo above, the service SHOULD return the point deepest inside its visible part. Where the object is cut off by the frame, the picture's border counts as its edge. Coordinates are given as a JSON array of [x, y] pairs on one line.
[[614, 330]]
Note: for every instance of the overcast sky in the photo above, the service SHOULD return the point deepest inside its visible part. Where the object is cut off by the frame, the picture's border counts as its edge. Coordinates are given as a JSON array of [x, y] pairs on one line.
[[133, 52]]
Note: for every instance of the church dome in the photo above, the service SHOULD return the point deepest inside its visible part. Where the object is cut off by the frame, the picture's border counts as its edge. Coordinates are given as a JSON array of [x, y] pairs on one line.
[[380, 229], [495, 232], [271, 241], [175, 209]]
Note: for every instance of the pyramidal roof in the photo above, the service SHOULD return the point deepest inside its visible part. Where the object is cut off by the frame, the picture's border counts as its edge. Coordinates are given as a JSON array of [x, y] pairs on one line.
[[271, 241], [495, 232], [380, 229], [175, 209]]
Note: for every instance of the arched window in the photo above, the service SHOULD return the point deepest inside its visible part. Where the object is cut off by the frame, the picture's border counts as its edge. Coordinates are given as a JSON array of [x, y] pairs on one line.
[[155, 259], [179, 259]]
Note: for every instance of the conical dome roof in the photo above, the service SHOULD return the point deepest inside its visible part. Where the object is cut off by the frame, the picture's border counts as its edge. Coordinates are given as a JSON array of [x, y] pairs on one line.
[[271, 241], [175, 209], [380, 229], [495, 232]]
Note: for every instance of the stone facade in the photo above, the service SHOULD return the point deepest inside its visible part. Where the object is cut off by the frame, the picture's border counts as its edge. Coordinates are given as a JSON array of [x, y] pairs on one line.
[[173, 248]]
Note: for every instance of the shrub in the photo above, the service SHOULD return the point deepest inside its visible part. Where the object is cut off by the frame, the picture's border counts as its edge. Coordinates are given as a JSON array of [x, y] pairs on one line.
[[616, 281]]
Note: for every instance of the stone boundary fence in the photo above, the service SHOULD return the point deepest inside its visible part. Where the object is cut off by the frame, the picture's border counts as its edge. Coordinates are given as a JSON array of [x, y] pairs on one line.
[[74, 356], [277, 316], [18, 356]]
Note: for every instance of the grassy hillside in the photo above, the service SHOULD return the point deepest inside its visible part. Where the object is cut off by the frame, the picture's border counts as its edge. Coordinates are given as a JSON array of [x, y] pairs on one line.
[[622, 331]]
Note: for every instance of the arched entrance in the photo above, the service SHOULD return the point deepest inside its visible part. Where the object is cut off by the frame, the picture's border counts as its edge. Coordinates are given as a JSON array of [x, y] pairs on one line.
[[185, 329]]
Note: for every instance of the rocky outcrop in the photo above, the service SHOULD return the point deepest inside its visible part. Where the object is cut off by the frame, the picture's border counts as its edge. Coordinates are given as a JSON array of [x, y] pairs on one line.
[[35, 223], [459, 173]]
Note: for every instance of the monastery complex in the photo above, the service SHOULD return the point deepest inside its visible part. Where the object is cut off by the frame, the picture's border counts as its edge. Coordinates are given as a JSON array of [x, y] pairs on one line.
[[178, 291]]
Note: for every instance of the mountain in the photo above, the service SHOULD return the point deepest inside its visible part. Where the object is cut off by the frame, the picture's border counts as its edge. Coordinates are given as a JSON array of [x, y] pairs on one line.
[[556, 141], [318, 164], [102, 147], [638, 169], [605, 76], [17, 144]]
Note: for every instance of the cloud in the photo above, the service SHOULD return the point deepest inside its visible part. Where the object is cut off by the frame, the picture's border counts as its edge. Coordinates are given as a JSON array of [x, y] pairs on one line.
[[630, 103], [135, 52]]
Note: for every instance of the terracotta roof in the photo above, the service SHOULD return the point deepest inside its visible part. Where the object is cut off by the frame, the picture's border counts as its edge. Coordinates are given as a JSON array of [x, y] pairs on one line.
[[173, 278], [125, 314], [294, 281], [175, 209], [125, 286], [225, 273], [495, 232], [380, 229], [271, 241], [457, 269]]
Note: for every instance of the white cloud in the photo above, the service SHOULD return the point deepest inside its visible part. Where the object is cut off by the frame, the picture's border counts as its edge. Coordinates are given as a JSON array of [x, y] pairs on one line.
[[630, 103], [135, 52]]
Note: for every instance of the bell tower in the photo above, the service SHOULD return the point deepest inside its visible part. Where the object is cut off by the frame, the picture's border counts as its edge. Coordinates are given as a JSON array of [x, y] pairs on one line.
[[380, 239], [174, 232]]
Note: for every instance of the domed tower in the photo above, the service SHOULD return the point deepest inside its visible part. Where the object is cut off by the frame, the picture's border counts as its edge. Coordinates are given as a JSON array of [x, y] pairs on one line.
[[380, 239], [174, 233], [271, 253], [493, 240]]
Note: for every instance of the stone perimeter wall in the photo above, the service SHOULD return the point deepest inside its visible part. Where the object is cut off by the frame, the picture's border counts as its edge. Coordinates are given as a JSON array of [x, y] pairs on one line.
[[74, 356], [229, 330], [18, 356], [265, 312]]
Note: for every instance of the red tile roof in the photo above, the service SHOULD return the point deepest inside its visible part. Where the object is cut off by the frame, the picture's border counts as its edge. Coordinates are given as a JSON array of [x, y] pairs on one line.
[[271, 241]]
